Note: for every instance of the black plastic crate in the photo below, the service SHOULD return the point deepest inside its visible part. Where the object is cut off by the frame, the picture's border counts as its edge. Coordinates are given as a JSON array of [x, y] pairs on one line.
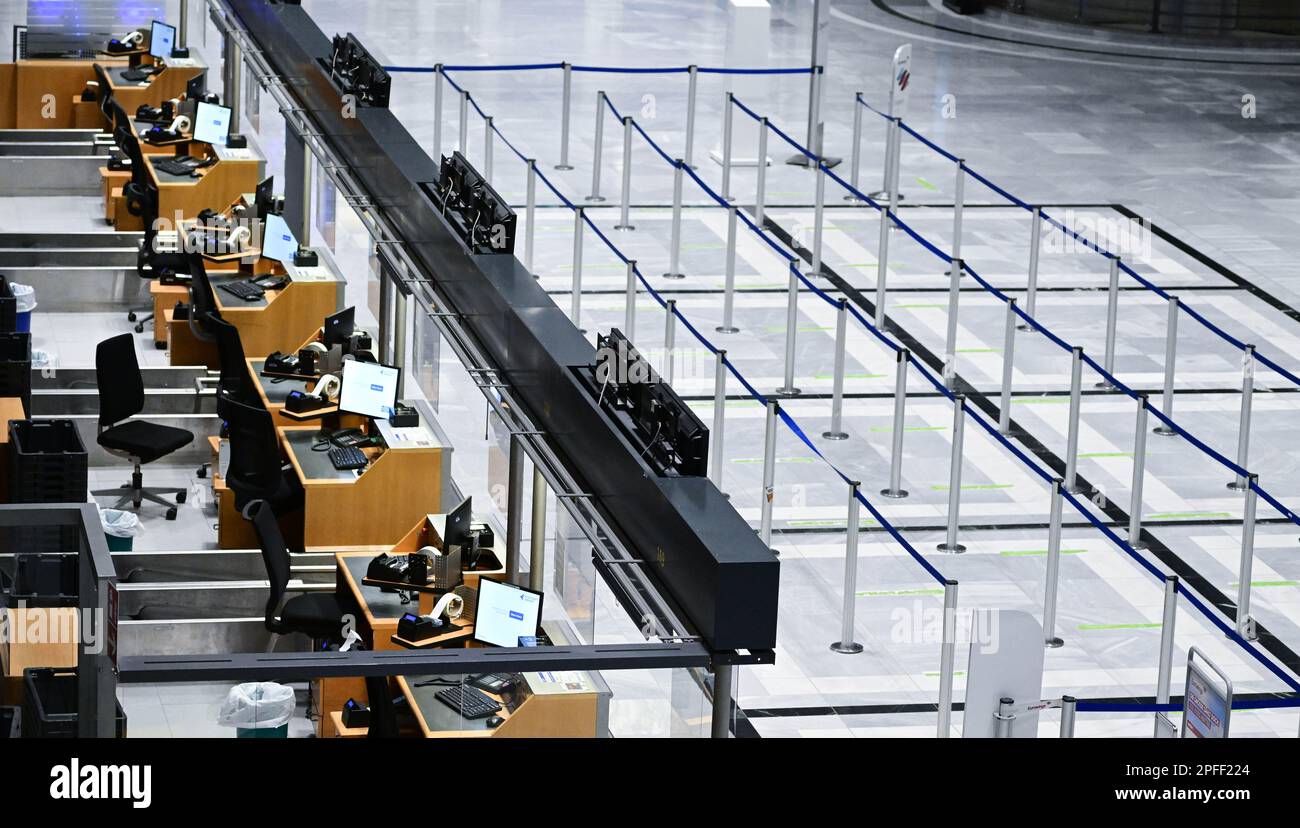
[[50, 704], [49, 463], [8, 308], [11, 722], [16, 367], [43, 579]]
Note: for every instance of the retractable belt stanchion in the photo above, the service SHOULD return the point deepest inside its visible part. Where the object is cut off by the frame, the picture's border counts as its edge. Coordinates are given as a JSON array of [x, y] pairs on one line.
[[1008, 368], [530, 213], [1164, 728], [1072, 440], [1246, 624], [719, 414], [890, 135], [896, 489], [437, 112], [947, 657], [729, 280], [1031, 285], [760, 186], [1053, 567], [819, 217], [566, 107], [692, 89], [1243, 425], [836, 431], [1069, 706], [950, 543], [791, 332], [575, 297], [855, 157], [487, 148], [598, 146], [1112, 323], [1004, 718], [670, 339], [897, 162], [769, 472], [727, 117], [463, 146], [675, 245], [625, 203], [1171, 362], [954, 296], [846, 644], [958, 204], [1139, 473], [882, 268], [629, 311]]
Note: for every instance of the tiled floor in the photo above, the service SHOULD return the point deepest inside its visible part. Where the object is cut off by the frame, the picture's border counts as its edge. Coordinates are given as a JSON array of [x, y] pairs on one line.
[[1077, 127]]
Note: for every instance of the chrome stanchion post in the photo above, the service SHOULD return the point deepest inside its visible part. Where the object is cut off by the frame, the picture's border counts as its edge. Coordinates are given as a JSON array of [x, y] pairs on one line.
[[947, 657], [954, 295], [670, 336], [575, 298], [882, 268], [1139, 473], [1072, 441], [883, 193], [598, 146], [729, 281], [819, 216], [897, 162], [1171, 360], [1112, 322], [438, 81], [855, 157], [1164, 728], [625, 205], [1004, 718], [950, 544], [1031, 286], [1246, 624], [1053, 567], [836, 431], [726, 145], [530, 215], [692, 74], [1069, 706], [1243, 426], [463, 146], [959, 203], [760, 188], [769, 472], [719, 413], [675, 245], [565, 108], [1008, 367], [487, 148], [896, 489], [629, 312], [791, 331], [846, 644]]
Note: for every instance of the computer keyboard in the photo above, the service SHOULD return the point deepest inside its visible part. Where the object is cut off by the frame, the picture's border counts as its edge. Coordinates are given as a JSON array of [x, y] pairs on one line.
[[138, 74], [180, 165], [247, 291], [467, 701], [347, 459]]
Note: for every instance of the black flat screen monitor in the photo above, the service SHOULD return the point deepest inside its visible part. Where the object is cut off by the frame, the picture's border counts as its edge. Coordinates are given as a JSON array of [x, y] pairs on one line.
[[264, 198], [456, 532], [339, 327], [162, 39], [505, 613]]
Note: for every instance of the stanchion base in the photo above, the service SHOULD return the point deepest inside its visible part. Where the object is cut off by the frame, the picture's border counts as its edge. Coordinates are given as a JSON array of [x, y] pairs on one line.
[[802, 160], [852, 199], [955, 549], [727, 329], [625, 227], [1074, 490], [1104, 386], [819, 274], [1238, 486], [834, 435], [1025, 328], [852, 648], [1248, 630], [1164, 431], [674, 275], [1054, 643], [1137, 544], [563, 166], [882, 197], [788, 392], [594, 198], [896, 494]]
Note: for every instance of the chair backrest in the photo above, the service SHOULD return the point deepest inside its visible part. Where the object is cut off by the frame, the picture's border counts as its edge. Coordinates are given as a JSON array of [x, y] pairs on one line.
[[274, 554], [203, 301], [383, 718], [235, 380], [117, 373], [254, 470], [105, 94], [126, 139]]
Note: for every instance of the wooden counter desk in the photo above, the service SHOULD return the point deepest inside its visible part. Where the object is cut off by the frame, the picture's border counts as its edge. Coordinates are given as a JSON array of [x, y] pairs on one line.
[[25, 85], [181, 197]]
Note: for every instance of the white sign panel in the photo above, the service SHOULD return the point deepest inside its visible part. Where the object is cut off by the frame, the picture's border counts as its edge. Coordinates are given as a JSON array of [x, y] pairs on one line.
[[901, 80], [1007, 664]]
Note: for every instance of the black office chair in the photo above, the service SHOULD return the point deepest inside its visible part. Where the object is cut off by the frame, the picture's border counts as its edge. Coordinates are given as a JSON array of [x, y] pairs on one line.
[[235, 382], [383, 716], [203, 301], [121, 396], [315, 614], [105, 96], [255, 471]]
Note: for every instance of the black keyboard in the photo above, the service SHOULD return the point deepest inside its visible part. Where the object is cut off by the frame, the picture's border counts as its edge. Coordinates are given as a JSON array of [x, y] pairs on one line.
[[247, 291], [347, 459], [180, 165], [470, 703]]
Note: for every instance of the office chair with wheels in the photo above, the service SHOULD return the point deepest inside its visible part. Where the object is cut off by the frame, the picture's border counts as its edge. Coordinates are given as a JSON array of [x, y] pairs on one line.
[[315, 614], [383, 718], [121, 396], [105, 95], [203, 301], [255, 471]]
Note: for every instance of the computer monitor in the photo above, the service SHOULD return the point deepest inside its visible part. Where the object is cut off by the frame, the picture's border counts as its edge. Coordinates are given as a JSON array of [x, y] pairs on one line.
[[278, 242], [369, 389], [264, 198], [162, 39], [212, 123], [456, 532], [339, 327], [196, 87], [506, 613]]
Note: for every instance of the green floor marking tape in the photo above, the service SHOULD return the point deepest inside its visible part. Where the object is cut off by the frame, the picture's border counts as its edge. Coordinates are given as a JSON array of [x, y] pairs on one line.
[[979, 350], [927, 184], [1268, 583]]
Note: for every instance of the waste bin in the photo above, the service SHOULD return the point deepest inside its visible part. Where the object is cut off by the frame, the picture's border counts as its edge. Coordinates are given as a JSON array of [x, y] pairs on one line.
[[258, 710], [24, 304], [121, 528]]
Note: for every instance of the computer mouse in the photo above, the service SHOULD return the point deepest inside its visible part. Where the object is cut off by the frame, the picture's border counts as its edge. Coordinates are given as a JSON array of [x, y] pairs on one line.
[[494, 721]]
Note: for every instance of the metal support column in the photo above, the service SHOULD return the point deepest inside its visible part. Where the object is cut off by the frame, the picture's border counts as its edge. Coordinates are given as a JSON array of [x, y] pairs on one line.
[[722, 689], [514, 508], [537, 534]]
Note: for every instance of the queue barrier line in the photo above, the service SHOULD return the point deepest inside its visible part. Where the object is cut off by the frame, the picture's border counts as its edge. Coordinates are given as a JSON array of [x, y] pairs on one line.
[[753, 392], [791, 423], [614, 70]]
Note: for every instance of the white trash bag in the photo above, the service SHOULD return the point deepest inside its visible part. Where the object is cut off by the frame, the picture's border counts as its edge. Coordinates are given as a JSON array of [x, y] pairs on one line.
[[24, 297], [121, 524], [257, 705]]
